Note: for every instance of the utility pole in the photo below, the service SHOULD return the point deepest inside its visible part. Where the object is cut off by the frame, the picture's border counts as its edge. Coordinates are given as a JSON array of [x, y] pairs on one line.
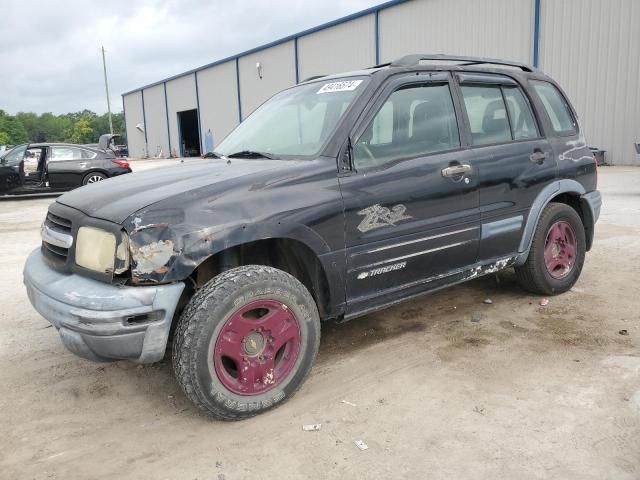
[[106, 87]]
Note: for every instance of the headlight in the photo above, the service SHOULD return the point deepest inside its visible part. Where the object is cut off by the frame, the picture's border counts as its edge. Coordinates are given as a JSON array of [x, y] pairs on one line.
[[96, 250]]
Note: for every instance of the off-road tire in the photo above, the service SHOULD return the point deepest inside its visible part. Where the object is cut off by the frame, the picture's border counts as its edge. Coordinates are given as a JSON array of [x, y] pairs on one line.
[[204, 317], [533, 275]]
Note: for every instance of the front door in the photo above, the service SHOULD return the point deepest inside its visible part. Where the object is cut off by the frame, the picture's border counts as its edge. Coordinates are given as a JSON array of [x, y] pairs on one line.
[[411, 199]]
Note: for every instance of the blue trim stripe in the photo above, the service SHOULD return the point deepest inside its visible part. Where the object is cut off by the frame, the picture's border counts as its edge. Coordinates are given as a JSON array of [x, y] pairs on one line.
[[195, 76], [376, 27], [536, 32], [144, 121], [166, 111], [295, 59], [332, 23], [238, 88]]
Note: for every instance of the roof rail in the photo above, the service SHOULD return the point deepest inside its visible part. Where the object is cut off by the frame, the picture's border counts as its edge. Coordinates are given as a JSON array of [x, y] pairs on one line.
[[413, 60], [313, 77]]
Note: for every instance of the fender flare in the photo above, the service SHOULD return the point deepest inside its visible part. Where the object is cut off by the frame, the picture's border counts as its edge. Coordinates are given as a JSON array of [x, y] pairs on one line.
[[547, 194]]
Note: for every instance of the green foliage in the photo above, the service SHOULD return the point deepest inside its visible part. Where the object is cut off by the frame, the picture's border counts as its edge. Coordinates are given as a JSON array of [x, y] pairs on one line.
[[81, 132], [78, 127]]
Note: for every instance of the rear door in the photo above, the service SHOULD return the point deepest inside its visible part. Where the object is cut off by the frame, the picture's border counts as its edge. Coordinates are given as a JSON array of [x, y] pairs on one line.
[[411, 201], [511, 158], [67, 166]]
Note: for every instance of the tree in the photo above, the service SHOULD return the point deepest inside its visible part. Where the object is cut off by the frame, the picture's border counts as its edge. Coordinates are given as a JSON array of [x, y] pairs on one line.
[[76, 127], [81, 132], [13, 130]]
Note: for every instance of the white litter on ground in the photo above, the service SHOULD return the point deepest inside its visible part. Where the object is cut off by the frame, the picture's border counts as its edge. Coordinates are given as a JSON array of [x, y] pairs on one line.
[[361, 445], [313, 427]]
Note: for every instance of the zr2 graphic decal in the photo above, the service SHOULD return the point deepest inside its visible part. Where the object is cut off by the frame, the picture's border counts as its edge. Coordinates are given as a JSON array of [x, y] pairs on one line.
[[377, 216]]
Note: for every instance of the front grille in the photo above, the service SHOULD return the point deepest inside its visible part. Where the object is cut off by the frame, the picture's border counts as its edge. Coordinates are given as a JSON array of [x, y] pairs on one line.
[[58, 223], [56, 253]]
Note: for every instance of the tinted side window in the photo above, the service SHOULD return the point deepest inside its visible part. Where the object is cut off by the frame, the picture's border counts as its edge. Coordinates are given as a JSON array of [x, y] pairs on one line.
[[556, 106], [416, 119], [88, 154], [59, 154], [15, 156], [487, 114], [522, 122]]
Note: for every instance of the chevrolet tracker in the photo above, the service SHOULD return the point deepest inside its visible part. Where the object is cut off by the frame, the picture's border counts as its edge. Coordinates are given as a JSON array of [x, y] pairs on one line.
[[337, 197]]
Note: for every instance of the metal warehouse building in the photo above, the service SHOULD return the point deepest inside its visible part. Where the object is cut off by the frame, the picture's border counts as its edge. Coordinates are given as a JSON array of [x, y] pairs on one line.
[[592, 47]]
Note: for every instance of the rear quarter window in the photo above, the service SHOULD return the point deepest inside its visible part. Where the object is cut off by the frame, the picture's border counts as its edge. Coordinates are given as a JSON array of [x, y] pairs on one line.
[[557, 108]]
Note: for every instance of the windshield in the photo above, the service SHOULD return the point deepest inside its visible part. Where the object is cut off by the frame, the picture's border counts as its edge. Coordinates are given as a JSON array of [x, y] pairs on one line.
[[295, 122]]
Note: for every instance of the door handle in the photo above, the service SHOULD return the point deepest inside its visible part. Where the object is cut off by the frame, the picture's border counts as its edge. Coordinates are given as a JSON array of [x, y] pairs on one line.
[[538, 157], [456, 170]]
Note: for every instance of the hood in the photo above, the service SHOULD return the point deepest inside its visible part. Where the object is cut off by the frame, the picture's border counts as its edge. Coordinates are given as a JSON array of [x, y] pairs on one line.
[[117, 198]]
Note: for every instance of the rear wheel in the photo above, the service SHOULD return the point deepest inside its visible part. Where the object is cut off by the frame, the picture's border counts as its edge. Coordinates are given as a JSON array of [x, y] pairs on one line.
[[557, 252], [246, 342], [93, 177]]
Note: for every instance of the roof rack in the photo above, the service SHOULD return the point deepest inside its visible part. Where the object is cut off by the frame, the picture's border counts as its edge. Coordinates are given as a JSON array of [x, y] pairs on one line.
[[313, 77], [413, 60]]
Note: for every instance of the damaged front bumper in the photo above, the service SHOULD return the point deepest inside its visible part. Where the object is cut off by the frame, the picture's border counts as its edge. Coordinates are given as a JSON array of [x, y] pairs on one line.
[[99, 321]]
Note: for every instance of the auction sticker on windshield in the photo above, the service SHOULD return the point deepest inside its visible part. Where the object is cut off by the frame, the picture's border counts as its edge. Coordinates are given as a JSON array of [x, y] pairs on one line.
[[343, 86]]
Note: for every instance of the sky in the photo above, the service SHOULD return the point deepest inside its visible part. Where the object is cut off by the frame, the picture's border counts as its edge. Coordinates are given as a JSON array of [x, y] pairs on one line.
[[50, 58]]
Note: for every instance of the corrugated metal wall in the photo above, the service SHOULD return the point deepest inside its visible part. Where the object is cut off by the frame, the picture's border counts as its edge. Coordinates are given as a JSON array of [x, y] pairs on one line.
[[278, 72], [133, 113], [181, 95], [592, 48], [156, 115], [218, 101], [488, 28], [348, 46]]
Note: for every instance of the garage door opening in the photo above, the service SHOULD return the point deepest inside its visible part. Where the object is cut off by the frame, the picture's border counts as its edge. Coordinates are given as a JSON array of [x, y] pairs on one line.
[[189, 133]]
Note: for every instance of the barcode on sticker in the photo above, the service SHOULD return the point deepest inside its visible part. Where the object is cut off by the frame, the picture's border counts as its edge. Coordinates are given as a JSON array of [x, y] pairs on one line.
[[343, 86]]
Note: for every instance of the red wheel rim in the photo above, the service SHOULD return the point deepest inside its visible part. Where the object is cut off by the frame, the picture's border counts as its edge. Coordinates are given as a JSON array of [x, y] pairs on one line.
[[257, 347], [560, 249]]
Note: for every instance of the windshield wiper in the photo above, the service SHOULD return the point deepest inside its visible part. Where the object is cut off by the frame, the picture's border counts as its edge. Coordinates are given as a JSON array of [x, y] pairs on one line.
[[251, 154]]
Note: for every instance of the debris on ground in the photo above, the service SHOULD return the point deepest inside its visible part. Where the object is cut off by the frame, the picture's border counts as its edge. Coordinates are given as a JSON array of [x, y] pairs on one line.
[[361, 445], [624, 331], [544, 302], [476, 317], [488, 301], [576, 290], [312, 427], [218, 464], [479, 410], [346, 402], [169, 396]]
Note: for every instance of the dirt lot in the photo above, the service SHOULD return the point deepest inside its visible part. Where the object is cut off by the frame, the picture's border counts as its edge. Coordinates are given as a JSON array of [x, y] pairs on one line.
[[525, 392]]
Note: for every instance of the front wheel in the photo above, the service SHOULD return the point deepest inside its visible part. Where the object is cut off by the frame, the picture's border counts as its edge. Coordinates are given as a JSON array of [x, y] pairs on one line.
[[557, 252], [246, 342]]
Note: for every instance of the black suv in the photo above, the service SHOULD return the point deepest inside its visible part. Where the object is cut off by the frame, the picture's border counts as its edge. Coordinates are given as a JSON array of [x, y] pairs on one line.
[[337, 197]]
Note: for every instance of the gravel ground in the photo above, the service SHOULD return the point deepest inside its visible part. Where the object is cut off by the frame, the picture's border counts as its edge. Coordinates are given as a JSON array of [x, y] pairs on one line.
[[523, 391]]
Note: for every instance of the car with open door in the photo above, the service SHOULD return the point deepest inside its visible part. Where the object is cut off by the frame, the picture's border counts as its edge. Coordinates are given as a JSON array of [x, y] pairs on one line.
[[40, 168], [337, 197]]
